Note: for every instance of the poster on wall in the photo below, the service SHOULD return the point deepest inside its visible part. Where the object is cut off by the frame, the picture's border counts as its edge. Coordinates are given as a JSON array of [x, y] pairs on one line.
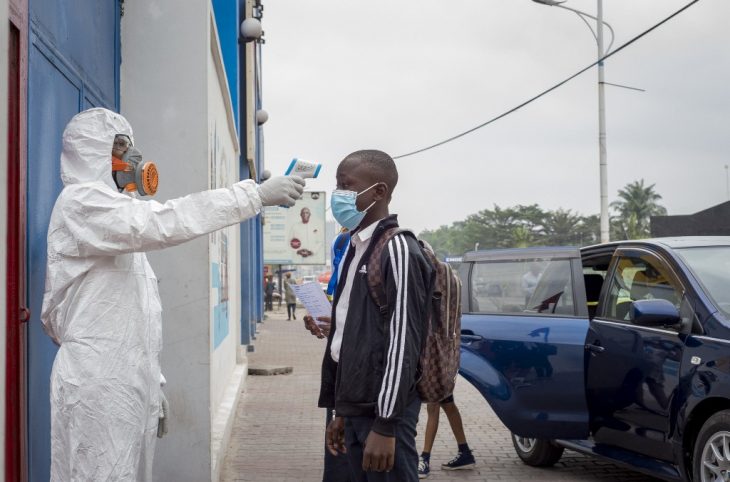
[[296, 235], [220, 170]]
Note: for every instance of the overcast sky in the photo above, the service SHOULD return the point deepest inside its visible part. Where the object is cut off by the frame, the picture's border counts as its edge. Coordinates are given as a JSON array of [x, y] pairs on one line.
[[396, 75]]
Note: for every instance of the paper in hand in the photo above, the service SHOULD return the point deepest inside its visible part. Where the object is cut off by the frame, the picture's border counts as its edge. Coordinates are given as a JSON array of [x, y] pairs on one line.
[[313, 299]]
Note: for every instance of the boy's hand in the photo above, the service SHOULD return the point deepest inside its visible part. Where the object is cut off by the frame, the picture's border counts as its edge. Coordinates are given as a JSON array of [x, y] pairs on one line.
[[379, 454], [335, 436], [321, 330]]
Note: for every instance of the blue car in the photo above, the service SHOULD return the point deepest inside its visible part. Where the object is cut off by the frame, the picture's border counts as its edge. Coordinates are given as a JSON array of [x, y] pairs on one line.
[[620, 351]]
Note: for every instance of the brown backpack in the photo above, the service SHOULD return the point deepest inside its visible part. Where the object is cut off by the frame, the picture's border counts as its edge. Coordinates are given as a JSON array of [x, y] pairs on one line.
[[441, 349]]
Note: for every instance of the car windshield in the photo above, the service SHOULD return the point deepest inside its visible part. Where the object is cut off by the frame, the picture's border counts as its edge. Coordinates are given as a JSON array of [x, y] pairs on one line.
[[711, 265]]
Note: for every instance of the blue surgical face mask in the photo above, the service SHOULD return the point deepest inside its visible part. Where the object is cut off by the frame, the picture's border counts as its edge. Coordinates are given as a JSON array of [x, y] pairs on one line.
[[344, 207]]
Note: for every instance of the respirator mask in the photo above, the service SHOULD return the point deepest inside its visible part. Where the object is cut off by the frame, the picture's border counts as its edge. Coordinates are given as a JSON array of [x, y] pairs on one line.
[[129, 171]]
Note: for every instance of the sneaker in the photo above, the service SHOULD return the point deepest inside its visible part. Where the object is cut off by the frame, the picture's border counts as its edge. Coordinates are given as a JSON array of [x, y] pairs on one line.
[[423, 468], [463, 460]]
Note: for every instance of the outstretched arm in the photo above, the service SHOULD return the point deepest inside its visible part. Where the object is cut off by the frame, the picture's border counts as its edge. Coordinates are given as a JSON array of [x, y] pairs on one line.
[[101, 222]]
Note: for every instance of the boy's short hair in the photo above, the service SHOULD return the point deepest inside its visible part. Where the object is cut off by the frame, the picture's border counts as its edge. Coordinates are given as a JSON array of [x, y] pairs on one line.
[[381, 163]]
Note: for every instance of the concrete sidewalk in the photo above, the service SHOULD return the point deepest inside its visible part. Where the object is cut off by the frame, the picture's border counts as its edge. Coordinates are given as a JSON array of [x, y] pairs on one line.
[[279, 431]]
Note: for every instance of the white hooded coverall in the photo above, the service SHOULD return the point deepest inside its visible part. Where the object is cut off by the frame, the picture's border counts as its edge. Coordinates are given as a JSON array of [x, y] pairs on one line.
[[102, 307]]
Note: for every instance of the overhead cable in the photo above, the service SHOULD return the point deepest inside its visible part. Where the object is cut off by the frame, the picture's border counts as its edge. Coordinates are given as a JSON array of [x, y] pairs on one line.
[[554, 87]]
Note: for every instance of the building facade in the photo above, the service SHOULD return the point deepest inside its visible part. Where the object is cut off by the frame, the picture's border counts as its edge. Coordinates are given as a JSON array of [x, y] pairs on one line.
[[189, 89]]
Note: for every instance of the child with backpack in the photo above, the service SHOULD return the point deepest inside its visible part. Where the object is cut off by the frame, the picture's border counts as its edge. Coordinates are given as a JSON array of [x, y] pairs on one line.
[[464, 458], [371, 364]]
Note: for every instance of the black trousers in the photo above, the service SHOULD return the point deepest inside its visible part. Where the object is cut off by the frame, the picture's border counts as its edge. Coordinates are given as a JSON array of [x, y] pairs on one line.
[[291, 309], [405, 468], [336, 468]]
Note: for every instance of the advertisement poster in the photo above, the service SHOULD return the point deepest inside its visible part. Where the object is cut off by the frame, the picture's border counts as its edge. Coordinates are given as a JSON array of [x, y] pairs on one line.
[[220, 175], [296, 235]]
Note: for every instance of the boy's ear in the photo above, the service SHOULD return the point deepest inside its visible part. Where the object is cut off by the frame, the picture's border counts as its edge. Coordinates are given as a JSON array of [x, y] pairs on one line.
[[382, 191]]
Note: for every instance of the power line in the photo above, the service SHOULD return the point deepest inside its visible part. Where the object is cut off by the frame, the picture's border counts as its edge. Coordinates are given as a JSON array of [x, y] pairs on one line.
[[545, 92]]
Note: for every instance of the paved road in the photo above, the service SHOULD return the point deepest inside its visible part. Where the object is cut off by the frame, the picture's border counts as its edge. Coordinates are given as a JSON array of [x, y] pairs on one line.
[[278, 432]]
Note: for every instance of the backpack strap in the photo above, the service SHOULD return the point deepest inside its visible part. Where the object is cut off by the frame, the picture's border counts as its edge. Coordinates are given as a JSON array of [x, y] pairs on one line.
[[375, 276]]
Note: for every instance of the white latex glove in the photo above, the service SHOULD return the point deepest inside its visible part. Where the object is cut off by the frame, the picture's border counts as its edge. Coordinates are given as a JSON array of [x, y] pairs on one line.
[[164, 415], [281, 190]]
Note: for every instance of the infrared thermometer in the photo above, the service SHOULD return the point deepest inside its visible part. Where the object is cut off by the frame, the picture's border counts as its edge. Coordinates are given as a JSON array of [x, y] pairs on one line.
[[302, 168]]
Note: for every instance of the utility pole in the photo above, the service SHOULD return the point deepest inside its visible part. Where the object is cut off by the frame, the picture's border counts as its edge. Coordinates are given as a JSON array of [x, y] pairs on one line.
[[727, 183], [603, 156]]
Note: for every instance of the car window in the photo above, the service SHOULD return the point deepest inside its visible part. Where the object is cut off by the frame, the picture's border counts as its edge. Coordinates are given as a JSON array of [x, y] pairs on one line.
[[640, 277], [711, 266], [536, 286]]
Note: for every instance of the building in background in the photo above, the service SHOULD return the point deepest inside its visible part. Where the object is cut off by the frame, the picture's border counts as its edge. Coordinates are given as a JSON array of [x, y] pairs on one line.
[[712, 221], [191, 91]]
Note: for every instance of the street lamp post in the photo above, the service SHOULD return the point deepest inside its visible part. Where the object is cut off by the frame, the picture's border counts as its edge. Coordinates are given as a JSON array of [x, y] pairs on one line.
[[603, 156], [602, 153]]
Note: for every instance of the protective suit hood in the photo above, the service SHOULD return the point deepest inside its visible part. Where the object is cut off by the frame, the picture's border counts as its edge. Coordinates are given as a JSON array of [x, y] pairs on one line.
[[87, 146]]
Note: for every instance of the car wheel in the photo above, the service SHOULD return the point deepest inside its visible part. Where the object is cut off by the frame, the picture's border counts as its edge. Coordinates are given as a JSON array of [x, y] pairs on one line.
[[537, 452], [711, 461]]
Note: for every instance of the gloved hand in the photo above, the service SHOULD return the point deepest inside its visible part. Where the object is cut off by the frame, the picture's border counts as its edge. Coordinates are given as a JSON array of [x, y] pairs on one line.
[[281, 190], [164, 415]]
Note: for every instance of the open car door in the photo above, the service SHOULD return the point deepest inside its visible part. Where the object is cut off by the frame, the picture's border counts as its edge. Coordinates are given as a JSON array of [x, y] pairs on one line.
[[523, 335]]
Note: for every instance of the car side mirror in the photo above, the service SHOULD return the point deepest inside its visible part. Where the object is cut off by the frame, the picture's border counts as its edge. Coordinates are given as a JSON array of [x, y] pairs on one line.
[[657, 312]]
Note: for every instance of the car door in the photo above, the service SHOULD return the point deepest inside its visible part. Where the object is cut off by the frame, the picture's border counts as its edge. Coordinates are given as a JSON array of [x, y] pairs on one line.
[[633, 371], [523, 333]]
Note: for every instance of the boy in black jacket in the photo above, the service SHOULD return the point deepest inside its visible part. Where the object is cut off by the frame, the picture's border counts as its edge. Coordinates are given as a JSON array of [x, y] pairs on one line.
[[371, 364]]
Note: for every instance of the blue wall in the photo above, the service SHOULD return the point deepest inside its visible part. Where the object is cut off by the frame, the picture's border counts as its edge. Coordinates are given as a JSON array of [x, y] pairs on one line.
[[226, 19], [252, 264], [73, 65], [228, 15]]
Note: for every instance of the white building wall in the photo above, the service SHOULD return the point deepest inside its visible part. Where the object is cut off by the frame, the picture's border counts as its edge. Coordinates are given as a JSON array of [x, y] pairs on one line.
[[4, 22], [163, 94], [174, 93]]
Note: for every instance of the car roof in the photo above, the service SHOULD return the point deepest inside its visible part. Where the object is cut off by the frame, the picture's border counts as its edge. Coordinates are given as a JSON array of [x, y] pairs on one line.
[[522, 253], [673, 242], [572, 251]]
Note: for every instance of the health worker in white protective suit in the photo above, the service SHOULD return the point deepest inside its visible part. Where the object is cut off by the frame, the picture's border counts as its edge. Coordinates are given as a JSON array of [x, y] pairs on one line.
[[101, 304]]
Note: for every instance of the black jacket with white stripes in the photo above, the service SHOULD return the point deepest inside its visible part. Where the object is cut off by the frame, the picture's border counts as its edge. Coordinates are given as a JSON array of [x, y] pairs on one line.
[[379, 359]]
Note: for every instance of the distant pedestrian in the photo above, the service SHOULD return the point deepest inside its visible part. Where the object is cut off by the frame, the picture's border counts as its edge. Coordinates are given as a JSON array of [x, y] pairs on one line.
[[371, 364], [529, 281], [291, 298], [464, 458], [269, 293]]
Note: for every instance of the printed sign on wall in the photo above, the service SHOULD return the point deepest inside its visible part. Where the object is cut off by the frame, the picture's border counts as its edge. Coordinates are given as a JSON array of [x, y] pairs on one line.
[[296, 235], [219, 170]]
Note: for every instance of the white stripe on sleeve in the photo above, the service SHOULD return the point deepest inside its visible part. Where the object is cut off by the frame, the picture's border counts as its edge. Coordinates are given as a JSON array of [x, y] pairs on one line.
[[398, 325]]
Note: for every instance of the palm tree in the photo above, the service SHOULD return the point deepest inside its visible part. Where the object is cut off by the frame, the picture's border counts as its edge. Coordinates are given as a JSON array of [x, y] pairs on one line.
[[562, 227], [636, 205]]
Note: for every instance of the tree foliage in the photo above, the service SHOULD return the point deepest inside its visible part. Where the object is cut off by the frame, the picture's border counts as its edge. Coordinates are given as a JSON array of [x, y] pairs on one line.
[[636, 205], [523, 226]]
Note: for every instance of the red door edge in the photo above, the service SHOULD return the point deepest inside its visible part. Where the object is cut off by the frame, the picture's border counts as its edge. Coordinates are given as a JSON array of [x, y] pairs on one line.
[[15, 389]]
